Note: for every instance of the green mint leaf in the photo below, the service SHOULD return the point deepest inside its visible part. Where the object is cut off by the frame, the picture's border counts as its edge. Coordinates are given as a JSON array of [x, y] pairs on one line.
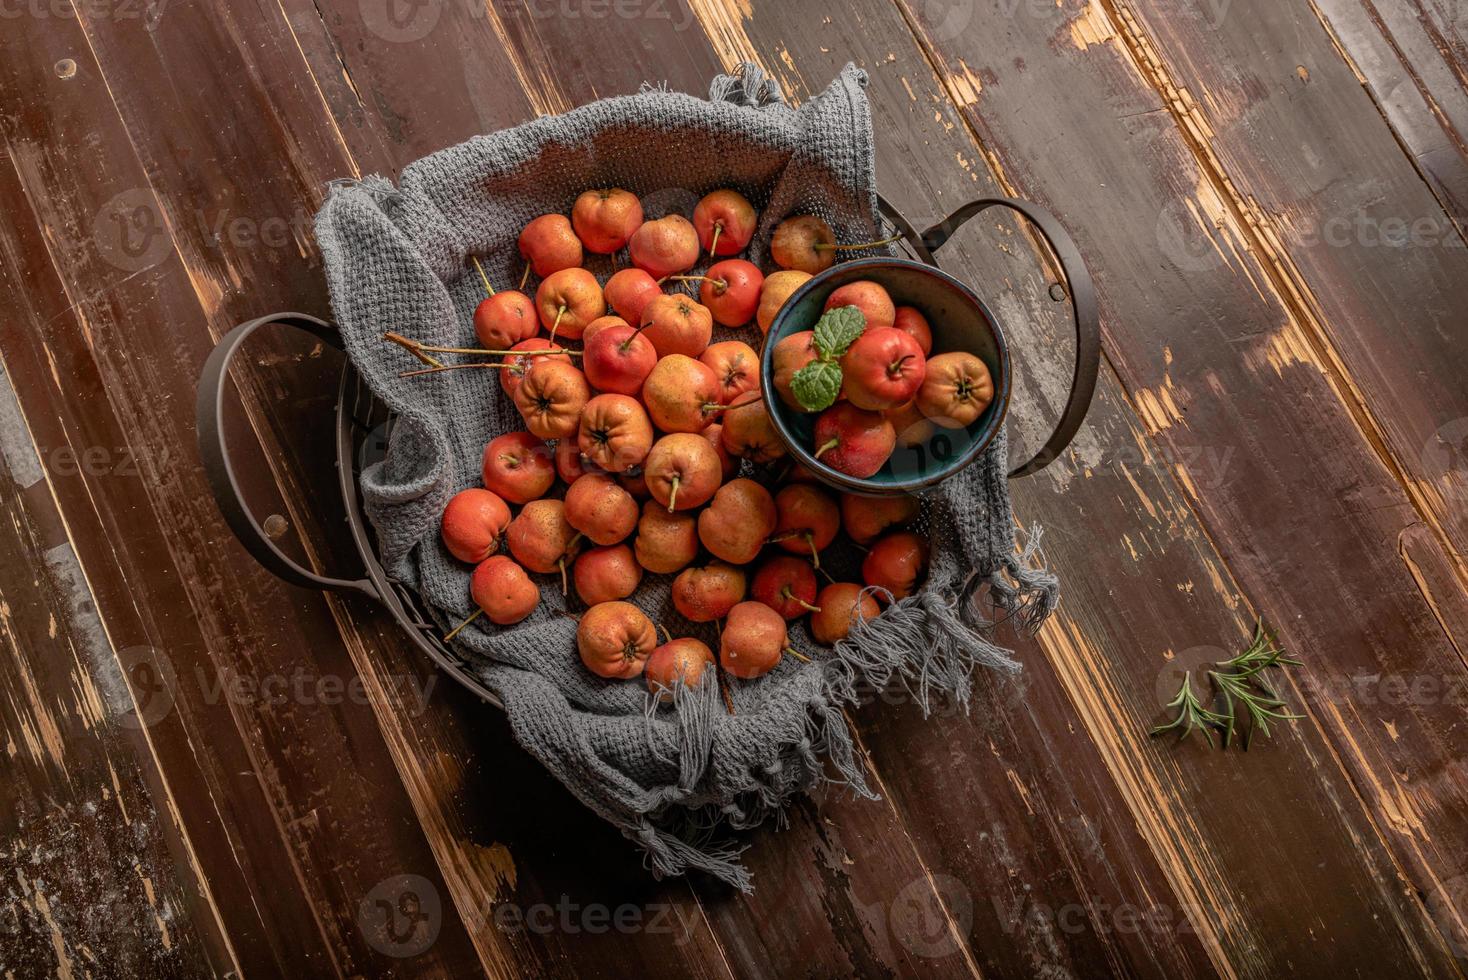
[[816, 385], [838, 329]]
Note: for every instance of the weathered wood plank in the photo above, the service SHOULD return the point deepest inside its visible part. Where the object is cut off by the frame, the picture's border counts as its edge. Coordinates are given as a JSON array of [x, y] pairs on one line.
[[1204, 356], [97, 869], [264, 786], [1412, 57]]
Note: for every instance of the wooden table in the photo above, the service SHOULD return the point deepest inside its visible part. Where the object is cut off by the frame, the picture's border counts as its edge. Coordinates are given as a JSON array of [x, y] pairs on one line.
[[208, 772]]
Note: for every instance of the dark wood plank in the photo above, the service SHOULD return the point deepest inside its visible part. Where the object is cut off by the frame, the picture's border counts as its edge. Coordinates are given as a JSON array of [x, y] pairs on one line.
[[99, 871], [1304, 507], [1412, 56], [289, 839]]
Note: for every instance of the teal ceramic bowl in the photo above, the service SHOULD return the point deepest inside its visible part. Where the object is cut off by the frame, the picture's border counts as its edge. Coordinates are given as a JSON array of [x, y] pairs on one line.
[[960, 322]]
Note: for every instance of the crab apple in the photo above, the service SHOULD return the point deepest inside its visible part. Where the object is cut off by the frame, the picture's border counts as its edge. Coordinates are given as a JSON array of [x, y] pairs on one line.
[[913, 428], [598, 507], [550, 398], [681, 661], [628, 291], [896, 563], [550, 245], [569, 300], [736, 365], [606, 573], [749, 432], [843, 605], [911, 321], [793, 245], [866, 518], [725, 222], [715, 435], [677, 324], [871, 298], [619, 359], [807, 520], [517, 364], [705, 594], [615, 639], [664, 247], [665, 542], [787, 585], [730, 289], [571, 463], [738, 522], [503, 590], [597, 326], [635, 483], [615, 432], [853, 441], [605, 218], [518, 467], [777, 289], [473, 521], [682, 471], [505, 319], [882, 369], [681, 394], [956, 391], [752, 641], [540, 538], [791, 354]]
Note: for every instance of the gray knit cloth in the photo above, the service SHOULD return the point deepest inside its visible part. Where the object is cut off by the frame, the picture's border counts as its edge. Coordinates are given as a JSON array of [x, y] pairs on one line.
[[674, 778]]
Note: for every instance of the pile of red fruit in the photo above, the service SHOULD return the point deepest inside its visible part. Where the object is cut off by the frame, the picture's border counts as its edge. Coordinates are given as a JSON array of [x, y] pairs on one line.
[[649, 429]]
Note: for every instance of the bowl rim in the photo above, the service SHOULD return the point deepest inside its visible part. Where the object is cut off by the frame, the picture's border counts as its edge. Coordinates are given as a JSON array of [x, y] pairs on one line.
[[851, 484]]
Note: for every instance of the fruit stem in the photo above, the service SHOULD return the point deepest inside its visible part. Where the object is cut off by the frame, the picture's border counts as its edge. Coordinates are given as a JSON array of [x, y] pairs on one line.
[[413, 347], [827, 446], [452, 367], [524, 278], [667, 637], [455, 631], [557, 324], [673, 495], [714, 241], [565, 586], [815, 556], [785, 593], [797, 655], [417, 345], [895, 368], [821, 246], [487, 287]]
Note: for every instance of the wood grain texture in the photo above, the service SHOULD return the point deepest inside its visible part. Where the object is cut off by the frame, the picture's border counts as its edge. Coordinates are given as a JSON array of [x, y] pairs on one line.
[[1216, 388], [1412, 56], [1248, 453]]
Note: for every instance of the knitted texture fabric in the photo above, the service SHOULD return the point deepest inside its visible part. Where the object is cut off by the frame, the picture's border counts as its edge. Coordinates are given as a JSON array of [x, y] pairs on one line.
[[675, 778]]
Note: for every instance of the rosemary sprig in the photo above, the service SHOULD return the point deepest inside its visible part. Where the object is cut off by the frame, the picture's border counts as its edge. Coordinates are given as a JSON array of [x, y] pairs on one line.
[[1191, 715], [1239, 681]]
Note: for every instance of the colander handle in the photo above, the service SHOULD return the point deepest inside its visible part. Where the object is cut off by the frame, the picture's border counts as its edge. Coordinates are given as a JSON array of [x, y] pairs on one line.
[[1083, 303], [209, 412]]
